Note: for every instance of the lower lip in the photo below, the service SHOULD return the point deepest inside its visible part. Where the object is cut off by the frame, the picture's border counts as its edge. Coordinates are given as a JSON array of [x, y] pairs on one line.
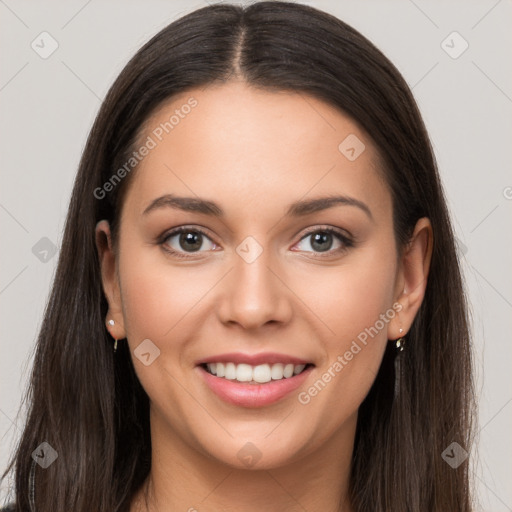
[[253, 395]]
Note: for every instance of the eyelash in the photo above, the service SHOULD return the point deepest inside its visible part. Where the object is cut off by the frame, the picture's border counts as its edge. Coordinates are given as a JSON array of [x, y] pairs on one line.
[[345, 240]]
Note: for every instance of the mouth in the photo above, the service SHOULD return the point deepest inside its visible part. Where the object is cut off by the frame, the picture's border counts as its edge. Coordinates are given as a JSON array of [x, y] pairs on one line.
[[256, 385], [255, 374]]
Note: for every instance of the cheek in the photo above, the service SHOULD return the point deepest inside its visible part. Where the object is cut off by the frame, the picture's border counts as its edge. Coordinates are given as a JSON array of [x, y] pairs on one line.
[[157, 298], [355, 302], [350, 297]]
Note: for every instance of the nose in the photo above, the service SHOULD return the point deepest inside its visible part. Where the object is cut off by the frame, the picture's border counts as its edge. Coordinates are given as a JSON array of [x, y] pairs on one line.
[[255, 293]]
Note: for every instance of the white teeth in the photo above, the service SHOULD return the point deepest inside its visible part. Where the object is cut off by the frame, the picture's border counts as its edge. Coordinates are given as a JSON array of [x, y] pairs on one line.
[[298, 369], [230, 371], [288, 371], [243, 373], [277, 371], [261, 373], [220, 370]]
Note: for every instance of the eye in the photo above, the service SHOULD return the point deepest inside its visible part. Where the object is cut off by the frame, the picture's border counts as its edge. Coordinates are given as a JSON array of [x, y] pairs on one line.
[[322, 240], [187, 240]]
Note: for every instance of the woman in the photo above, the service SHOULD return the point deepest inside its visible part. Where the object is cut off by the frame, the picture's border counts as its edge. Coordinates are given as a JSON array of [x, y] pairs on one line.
[[256, 369]]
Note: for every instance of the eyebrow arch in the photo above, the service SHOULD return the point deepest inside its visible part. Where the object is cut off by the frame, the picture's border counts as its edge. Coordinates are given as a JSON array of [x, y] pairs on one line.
[[296, 209]]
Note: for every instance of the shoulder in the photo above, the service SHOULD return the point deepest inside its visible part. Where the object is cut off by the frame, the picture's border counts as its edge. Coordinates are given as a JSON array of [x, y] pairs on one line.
[[11, 507]]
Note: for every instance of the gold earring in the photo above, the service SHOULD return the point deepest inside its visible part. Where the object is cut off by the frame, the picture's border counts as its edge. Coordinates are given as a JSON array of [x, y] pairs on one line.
[[400, 342]]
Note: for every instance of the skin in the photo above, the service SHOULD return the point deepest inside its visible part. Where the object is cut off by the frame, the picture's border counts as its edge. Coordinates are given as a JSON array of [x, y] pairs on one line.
[[254, 152]]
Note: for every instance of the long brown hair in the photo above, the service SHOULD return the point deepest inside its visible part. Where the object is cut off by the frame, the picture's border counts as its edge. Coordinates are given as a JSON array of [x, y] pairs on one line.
[[89, 405]]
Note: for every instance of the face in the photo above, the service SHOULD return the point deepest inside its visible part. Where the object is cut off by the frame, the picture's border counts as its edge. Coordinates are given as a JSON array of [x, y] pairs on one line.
[[252, 278]]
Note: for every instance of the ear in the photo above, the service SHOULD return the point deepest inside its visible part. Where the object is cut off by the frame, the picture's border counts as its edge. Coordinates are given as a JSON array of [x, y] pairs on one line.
[[110, 280], [412, 277]]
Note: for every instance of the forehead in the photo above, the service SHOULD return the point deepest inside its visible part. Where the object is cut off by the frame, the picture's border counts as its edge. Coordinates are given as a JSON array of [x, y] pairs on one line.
[[251, 147]]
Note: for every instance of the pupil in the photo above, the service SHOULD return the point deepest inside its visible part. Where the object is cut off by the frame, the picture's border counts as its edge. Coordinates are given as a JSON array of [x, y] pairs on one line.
[[322, 237], [191, 238]]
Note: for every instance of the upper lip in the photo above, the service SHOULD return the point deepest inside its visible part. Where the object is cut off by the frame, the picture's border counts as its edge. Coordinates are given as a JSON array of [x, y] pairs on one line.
[[254, 359]]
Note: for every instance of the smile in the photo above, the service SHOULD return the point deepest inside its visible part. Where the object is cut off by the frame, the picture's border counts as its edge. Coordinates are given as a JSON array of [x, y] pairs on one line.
[[279, 381], [259, 374]]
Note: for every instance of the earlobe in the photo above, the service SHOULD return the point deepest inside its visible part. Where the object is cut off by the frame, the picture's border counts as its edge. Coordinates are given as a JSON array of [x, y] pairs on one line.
[[412, 276], [109, 279]]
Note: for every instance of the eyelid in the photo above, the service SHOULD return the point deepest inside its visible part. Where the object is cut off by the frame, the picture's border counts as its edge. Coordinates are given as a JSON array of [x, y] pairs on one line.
[[330, 229]]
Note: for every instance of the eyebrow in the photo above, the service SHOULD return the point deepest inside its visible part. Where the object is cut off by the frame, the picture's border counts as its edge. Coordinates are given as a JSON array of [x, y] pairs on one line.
[[296, 209]]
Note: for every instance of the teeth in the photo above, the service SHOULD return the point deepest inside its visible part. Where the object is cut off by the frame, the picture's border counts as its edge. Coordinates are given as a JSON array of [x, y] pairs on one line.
[[244, 373], [297, 369], [230, 370], [261, 373]]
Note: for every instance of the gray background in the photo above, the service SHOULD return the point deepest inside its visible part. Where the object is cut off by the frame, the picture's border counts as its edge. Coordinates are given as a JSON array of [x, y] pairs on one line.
[[48, 105]]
